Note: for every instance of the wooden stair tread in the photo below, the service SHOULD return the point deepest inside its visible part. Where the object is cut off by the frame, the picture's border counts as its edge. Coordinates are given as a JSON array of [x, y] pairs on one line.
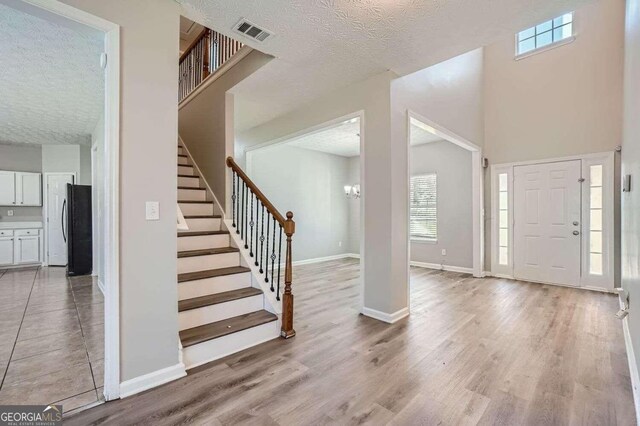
[[205, 252], [194, 202], [203, 333], [183, 155], [188, 176], [190, 187], [212, 273], [200, 233], [217, 298], [203, 216], [185, 165]]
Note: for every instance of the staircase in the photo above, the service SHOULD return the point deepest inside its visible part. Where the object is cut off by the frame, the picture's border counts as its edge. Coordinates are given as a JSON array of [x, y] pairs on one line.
[[222, 308]]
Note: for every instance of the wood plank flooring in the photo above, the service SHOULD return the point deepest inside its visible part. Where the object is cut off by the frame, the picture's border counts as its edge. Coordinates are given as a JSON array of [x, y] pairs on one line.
[[51, 339], [473, 351]]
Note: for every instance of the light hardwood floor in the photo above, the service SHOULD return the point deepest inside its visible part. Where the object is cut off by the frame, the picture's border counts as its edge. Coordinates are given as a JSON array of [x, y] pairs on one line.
[[473, 351]]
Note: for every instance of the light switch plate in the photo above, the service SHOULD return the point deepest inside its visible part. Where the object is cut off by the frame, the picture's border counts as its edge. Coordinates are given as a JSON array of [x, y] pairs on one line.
[[152, 210], [9, 212]]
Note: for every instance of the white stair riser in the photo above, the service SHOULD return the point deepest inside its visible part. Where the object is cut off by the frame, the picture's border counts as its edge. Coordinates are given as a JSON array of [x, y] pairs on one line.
[[206, 224], [183, 160], [180, 150], [196, 208], [203, 242], [193, 182], [184, 170], [192, 195], [209, 261], [211, 350], [205, 315], [197, 288]]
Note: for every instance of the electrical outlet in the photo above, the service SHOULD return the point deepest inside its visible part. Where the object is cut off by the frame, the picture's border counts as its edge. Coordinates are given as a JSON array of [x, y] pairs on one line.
[[339, 243], [444, 252], [9, 212], [152, 210]]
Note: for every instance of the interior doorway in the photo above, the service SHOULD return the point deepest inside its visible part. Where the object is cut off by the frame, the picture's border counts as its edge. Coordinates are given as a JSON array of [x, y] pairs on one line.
[[80, 315]]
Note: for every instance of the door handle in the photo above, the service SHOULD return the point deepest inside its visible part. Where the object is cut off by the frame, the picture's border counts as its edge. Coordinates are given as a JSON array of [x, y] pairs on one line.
[[576, 233], [64, 205]]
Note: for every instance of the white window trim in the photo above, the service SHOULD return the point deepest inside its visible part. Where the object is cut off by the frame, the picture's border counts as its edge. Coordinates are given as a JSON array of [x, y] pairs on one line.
[[604, 282], [542, 49], [505, 271], [414, 238]]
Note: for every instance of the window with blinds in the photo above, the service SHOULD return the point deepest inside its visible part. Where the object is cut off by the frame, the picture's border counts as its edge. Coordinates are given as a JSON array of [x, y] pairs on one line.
[[423, 220]]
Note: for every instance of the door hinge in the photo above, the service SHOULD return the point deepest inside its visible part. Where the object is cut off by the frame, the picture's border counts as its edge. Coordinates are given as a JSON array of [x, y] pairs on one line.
[[581, 180], [103, 60]]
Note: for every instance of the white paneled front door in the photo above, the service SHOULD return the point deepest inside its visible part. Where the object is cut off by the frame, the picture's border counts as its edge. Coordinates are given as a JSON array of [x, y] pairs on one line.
[[56, 220], [547, 222]]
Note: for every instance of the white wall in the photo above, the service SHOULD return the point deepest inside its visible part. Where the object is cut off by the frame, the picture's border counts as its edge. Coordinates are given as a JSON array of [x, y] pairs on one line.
[[148, 148], [353, 177], [314, 184], [61, 158], [631, 166]]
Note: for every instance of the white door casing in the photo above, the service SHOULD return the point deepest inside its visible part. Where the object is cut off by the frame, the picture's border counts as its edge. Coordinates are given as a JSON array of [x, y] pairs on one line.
[[547, 222], [55, 238]]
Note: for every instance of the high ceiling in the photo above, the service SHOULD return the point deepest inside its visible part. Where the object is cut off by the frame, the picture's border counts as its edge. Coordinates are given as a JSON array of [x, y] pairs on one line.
[[51, 83], [344, 139], [322, 45]]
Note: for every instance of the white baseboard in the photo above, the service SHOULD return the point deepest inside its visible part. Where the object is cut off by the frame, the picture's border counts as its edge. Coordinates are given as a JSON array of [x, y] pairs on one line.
[[151, 380], [325, 259], [101, 286], [385, 317], [633, 366], [442, 267]]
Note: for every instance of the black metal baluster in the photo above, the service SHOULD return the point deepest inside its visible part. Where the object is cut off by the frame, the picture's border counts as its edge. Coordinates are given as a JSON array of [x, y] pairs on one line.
[[252, 195], [246, 212], [258, 202], [266, 264], [233, 201], [261, 241], [241, 214], [279, 263], [273, 252], [238, 205]]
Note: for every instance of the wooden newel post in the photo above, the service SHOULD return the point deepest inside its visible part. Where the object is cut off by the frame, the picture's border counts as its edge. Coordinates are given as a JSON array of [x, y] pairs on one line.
[[287, 297]]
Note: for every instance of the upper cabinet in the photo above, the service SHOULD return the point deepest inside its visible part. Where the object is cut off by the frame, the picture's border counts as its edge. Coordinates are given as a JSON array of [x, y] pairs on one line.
[[20, 189]]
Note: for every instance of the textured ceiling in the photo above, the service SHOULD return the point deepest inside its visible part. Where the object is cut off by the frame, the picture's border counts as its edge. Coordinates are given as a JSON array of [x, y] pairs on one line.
[[51, 83], [344, 139], [321, 45]]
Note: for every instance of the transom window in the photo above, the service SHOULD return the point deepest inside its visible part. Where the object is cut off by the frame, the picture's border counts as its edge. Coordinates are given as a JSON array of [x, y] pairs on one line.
[[545, 34], [423, 220]]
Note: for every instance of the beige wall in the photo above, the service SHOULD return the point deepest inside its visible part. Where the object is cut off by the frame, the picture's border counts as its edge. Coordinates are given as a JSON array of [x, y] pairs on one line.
[[148, 148], [203, 122], [561, 102], [631, 166]]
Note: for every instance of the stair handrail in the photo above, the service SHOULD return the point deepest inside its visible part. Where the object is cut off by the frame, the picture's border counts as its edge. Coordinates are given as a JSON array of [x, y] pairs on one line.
[[244, 191]]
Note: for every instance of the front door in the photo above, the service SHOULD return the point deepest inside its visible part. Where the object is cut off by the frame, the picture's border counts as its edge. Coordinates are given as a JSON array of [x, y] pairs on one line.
[[56, 218], [547, 216]]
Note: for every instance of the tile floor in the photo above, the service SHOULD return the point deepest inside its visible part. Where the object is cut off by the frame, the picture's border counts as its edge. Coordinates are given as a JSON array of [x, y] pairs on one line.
[[51, 338]]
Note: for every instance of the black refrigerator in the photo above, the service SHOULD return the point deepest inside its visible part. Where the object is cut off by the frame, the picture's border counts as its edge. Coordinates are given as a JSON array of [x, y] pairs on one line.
[[79, 232]]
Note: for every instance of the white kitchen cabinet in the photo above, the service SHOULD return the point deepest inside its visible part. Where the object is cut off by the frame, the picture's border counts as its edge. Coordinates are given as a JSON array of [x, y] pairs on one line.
[[7, 188], [28, 189], [26, 249], [20, 189], [6, 251]]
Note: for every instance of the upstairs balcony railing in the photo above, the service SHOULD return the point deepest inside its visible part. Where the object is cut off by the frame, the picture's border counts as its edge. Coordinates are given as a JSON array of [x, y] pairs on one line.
[[208, 52]]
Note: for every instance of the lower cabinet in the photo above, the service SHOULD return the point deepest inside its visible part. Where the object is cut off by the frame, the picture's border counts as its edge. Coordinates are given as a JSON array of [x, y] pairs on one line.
[[6, 251], [21, 246]]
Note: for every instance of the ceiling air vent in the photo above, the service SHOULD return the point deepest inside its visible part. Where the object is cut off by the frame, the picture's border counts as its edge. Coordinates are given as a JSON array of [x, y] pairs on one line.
[[249, 29]]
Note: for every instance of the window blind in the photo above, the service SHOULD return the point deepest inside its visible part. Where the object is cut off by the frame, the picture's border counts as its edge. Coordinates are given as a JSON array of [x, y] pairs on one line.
[[423, 220]]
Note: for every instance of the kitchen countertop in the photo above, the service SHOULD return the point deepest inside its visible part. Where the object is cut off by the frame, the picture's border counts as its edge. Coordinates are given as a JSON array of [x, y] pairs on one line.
[[20, 225]]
